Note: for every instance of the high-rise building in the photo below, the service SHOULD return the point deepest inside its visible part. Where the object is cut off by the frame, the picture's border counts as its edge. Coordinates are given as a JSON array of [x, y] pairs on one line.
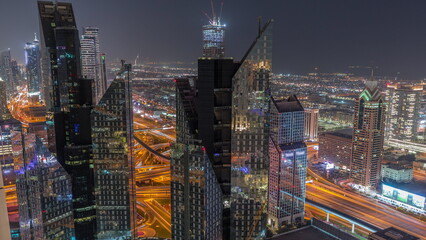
[[5, 150], [4, 111], [6, 71], [91, 60], [368, 137], [403, 111], [69, 104], [114, 167], [250, 139], [43, 187], [33, 66], [311, 124], [214, 39], [210, 191], [288, 162]]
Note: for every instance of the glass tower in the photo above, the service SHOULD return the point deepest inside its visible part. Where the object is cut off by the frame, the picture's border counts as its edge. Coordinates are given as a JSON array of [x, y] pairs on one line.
[[214, 40], [114, 167], [4, 111], [90, 57], [250, 139], [6, 71], [69, 104], [288, 162], [368, 137], [33, 66]]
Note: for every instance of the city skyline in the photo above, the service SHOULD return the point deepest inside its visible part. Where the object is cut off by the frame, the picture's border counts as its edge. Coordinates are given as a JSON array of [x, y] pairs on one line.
[[330, 36]]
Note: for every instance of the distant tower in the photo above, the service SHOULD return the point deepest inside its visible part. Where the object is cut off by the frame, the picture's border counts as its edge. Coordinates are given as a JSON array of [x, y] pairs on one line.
[[91, 59], [288, 160], [403, 112], [214, 37], [6, 71], [33, 67], [4, 111], [368, 137]]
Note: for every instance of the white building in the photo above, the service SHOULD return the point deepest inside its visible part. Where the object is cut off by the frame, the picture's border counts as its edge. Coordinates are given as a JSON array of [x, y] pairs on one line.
[[397, 173]]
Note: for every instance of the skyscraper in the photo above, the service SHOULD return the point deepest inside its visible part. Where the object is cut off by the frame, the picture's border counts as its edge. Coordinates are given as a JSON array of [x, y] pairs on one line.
[[212, 184], [103, 73], [91, 59], [113, 161], [69, 104], [43, 187], [4, 111], [4, 216], [288, 162], [368, 137], [214, 39], [33, 66], [311, 124], [6, 71], [403, 111]]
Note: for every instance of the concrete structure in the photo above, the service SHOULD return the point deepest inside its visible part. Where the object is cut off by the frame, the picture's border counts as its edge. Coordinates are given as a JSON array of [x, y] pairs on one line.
[[397, 173], [368, 137], [336, 147], [311, 124], [288, 161]]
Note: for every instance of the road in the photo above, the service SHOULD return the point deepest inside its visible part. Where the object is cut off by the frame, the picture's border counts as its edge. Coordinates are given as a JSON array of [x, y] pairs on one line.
[[366, 209]]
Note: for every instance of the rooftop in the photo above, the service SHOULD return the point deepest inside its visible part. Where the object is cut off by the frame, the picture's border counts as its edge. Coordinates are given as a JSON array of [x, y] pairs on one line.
[[308, 232], [291, 104], [392, 234]]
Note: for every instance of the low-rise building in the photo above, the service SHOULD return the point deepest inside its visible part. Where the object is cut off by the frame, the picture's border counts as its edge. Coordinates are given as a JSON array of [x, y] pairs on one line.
[[336, 147], [397, 173], [391, 234]]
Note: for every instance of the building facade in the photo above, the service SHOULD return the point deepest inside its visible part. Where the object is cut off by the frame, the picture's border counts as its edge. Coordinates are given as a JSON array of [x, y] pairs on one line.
[[397, 173], [214, 39], [403, 111], [368, 137], [336, 147], [311, 124], [288, 162], [114, 168], [33, 66]]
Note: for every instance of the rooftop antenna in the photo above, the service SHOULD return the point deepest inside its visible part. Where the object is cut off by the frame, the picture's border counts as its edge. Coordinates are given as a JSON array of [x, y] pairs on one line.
[[213, 13], [220, 15]]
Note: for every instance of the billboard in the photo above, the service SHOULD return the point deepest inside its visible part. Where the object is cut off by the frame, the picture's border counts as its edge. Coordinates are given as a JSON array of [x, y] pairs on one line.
[[403, 196]]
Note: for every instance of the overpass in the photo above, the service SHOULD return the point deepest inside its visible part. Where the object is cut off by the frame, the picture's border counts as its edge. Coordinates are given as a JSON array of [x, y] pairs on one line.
[[352, 220], [156, 153]]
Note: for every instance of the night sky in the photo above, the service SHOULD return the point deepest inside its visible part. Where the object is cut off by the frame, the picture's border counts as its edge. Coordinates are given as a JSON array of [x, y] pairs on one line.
[[329, 34]]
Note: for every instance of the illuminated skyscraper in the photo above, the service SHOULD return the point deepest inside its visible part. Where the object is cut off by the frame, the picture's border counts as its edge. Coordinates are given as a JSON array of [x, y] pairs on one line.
[[403, 111], [91, 59], [4, 111], [113, 162], [6, 71], [311, 124], [69, 104], [288, 162], [103, 73], [33, 66], [4, 216], [219, 177], [368, 137], [214, 39]]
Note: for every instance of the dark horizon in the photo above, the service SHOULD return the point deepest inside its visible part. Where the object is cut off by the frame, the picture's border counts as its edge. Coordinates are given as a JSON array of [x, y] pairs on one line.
[[330, 34]]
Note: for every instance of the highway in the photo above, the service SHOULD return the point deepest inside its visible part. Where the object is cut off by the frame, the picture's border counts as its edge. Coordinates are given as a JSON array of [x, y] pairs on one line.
[[366, 209]]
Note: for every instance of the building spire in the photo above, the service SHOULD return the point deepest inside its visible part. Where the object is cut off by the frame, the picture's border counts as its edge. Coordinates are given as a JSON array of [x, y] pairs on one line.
[[35, 37]]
